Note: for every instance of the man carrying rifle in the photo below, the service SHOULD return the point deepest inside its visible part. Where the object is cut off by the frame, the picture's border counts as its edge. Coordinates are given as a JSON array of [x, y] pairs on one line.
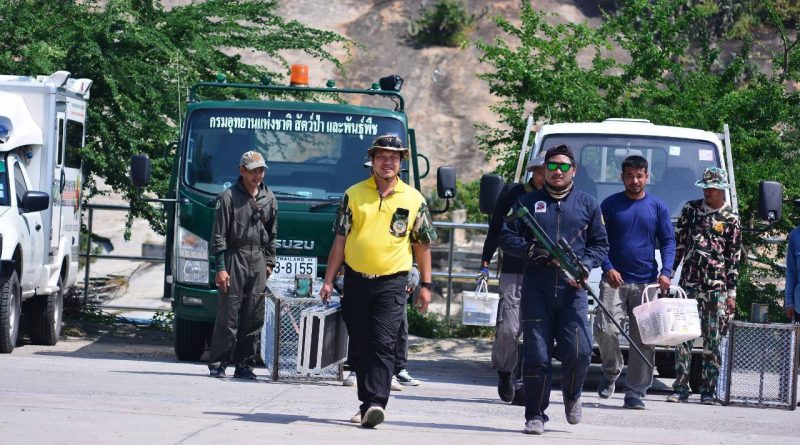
[[553, 306]]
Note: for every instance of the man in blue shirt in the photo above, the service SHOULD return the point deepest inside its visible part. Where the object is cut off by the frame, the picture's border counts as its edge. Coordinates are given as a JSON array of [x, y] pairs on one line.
[[792, 303], [635, 222]]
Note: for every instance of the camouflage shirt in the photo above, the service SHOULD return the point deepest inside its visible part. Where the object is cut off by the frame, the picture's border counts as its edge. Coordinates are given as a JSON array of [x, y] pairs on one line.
[[710, 242]]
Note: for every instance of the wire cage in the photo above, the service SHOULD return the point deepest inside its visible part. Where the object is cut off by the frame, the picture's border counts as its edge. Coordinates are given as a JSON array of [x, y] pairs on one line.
[[282, 335], [759, 365]]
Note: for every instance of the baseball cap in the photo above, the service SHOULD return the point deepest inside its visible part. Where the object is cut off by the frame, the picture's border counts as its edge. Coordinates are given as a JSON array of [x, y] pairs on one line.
[[538, 161], [252, 159]]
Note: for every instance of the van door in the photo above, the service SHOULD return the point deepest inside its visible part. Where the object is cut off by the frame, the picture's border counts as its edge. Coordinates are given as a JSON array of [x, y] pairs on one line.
[[58, 187], [30, 228], [73, 181]]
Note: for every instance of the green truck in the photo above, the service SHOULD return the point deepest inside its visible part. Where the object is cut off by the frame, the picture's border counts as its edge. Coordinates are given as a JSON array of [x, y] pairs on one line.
[[315, 149]]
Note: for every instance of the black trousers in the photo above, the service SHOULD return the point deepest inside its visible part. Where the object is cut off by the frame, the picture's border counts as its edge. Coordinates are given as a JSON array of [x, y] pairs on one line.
[[373, 311]]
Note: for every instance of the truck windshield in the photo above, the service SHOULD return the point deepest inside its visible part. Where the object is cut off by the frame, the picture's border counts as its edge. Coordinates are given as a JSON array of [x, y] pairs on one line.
[[309, 155], [674, 164], [4, 190]]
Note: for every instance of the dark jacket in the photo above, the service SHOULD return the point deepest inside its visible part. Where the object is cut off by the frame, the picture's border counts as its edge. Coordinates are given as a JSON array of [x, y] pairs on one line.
[[509, 196]]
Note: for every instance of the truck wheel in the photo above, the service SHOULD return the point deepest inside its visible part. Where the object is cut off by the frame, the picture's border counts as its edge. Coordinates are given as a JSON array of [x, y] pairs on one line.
[[10, 310], [696, 373], [190, 339], [46, 310]]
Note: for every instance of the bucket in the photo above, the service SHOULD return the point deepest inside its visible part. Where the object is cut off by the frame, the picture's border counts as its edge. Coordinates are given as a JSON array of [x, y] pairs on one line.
[[480, 307], [667, 321]]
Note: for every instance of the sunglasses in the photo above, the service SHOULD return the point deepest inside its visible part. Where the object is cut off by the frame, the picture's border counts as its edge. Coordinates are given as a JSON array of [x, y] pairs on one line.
[[563, 166]]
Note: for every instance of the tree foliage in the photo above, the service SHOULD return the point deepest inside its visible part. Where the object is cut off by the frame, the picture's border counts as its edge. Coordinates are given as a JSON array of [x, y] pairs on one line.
[[142, 58], [675, 71]]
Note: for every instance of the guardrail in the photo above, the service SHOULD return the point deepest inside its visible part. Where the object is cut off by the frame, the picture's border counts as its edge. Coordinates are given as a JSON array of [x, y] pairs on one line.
[[88, 255]]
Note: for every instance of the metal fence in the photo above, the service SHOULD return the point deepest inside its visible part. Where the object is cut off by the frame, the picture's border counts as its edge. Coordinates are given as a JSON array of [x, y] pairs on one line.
[[759, 365]]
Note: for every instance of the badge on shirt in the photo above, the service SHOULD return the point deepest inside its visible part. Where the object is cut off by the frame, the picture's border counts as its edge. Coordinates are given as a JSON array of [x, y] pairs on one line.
[[540, 207], [718, 227], [399, 224]]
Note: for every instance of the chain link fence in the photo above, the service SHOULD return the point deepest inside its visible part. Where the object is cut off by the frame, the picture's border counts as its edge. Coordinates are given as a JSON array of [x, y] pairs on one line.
[[760, 365], [282, 334]]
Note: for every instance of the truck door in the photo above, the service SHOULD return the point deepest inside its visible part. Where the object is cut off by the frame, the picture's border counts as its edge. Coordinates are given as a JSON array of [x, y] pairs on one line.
[[70, 212], [31, 229], [58, 187]]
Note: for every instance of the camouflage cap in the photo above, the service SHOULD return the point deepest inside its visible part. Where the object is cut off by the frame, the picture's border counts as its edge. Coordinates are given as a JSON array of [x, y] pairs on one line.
[[251, 160], [388, 142], [714, 178], [535, 163]]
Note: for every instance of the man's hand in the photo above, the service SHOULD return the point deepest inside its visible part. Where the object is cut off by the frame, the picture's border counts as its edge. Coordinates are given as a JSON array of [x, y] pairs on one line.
[[483, 275], [790, 313], [539, 256], [423, 298], [613, 278], [664, 281], [269, 271], [223, 280], [325, 291]]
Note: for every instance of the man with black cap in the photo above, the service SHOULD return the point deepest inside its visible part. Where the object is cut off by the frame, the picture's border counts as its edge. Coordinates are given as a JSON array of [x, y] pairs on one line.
[[381, 221], [553, 306], [243, 245], [504, 348]]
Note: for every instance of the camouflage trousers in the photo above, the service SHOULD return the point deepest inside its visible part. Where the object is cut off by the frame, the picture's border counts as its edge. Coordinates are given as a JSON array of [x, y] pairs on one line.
[[713, 325]]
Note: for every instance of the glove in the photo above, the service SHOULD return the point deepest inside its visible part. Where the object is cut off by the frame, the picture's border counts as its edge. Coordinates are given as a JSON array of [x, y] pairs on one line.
[[483, 275], [538, 256]]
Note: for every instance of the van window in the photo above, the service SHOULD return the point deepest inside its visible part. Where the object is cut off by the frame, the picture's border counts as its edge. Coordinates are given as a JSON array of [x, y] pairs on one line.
[[4, 188], [19, 182], [74, 143], [60, 136]]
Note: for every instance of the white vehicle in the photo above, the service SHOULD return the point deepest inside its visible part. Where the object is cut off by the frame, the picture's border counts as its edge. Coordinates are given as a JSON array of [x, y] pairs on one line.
[[42, 124], [677, 157]]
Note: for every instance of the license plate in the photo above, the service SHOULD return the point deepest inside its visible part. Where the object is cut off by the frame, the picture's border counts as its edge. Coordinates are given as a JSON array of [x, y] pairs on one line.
[[286, 267]]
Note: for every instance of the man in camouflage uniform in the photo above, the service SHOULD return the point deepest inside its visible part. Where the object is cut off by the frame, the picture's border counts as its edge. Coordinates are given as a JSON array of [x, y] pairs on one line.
[[243, 244], [708, 239], [381, 221]]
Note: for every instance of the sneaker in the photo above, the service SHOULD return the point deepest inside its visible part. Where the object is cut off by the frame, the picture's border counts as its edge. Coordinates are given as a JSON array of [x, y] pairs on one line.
[[505, 386], [405, 378], [707, 399], [350, 380], [677, 397], [216, 372], [244, 373], [356, 417], [633, 403], [519, 395], [534, 426], [396, 386], [606, 389], [574, 411], [373, 417]]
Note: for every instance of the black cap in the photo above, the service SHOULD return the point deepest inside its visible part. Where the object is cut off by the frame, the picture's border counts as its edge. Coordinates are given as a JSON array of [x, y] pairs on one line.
[[562, 149]]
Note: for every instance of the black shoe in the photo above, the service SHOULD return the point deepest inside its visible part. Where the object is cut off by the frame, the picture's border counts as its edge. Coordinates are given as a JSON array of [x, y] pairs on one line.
[[633, 403], [519, 395], [505, 387], [707, 399], [216, 372], [244, 374]]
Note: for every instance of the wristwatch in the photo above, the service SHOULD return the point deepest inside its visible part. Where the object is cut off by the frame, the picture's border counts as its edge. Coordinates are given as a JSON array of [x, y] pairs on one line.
[[427, 285]]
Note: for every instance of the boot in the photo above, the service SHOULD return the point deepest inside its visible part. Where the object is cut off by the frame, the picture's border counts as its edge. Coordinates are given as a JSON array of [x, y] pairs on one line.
[[505, 387]]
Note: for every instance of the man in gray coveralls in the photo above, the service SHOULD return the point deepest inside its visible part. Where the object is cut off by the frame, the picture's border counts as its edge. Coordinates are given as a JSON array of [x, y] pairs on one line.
[[243, 244]]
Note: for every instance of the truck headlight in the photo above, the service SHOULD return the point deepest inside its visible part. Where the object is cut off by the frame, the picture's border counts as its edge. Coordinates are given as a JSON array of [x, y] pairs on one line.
[[192, 257]]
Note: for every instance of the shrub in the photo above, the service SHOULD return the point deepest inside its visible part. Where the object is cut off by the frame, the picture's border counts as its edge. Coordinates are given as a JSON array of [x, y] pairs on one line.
[[446, 23]]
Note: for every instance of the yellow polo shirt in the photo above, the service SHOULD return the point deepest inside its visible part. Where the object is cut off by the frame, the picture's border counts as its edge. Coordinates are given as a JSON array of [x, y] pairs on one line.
[[380, 231]]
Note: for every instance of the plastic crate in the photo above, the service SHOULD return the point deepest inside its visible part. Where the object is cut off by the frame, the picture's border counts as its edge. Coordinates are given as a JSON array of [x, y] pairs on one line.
[[480, 307], [667, 321]]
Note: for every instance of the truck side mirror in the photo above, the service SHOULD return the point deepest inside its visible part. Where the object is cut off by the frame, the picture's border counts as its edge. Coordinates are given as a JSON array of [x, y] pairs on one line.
[[770, 199], [34, 201], [446, 182], [491, 185], [140, 170], [445, 187]]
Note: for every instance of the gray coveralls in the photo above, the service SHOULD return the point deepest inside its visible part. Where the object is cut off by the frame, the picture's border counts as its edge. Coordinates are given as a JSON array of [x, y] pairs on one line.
[[246, 241]]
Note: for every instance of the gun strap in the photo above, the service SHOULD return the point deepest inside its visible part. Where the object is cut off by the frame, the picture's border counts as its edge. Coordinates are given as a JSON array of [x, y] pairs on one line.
[[258, 210]]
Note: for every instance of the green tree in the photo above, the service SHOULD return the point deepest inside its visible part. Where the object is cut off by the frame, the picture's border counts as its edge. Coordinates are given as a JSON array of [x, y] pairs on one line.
[[142, 58], [674, 75]]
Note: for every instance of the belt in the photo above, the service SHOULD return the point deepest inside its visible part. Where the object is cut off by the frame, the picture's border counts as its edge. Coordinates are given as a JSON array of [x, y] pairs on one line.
[[369, 276]]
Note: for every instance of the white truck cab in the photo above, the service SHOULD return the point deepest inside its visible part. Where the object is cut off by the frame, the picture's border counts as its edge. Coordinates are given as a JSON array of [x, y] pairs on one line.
[[42, 122]]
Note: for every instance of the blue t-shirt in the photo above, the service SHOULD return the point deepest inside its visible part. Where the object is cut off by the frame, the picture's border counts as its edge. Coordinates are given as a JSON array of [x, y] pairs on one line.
[[635, 228]]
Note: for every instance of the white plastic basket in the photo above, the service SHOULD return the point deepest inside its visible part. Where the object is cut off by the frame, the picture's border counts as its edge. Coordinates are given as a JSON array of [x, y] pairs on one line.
[[480, 307], [667, 321]]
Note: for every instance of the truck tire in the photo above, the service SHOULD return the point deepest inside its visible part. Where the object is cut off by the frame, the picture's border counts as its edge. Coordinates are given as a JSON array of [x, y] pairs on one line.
[[190, 339], [46, 310], [10, 310]]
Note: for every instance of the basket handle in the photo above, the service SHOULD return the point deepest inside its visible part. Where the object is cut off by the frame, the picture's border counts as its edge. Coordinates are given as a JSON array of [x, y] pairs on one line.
[[679, 292], [482, 289]]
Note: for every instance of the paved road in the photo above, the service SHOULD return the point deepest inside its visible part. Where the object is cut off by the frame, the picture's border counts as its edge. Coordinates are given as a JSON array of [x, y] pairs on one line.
[[130, 389]]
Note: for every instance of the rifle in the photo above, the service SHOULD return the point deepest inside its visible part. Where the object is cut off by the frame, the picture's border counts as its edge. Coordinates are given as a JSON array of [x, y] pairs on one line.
[[568, 262]]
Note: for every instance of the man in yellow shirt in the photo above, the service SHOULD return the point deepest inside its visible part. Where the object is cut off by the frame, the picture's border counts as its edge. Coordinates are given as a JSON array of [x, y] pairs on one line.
[[380, 221]]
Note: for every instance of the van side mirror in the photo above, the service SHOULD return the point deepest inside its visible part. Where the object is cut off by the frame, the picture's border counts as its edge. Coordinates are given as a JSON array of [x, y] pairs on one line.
[[445, 187], [140, 170], [34, 201], [491, 186], [770, 199]]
